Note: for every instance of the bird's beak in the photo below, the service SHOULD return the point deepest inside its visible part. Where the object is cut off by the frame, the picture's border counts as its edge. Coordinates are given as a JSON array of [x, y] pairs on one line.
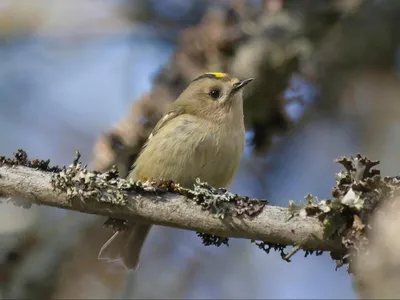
[[241, 84]]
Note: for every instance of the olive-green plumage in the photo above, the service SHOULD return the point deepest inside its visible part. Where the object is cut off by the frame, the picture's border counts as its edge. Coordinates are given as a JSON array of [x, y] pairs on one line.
[[202, 136]]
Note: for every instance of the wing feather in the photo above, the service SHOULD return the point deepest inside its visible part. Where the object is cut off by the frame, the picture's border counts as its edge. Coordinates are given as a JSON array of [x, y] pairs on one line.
[[173, 113], [164, 120]]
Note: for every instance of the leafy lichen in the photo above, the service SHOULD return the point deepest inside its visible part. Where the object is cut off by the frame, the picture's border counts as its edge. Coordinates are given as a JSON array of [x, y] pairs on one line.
[[21, 159], [359, 191], [108, 187], [116, 224], [267, 247], [223, 203], [210, 239]]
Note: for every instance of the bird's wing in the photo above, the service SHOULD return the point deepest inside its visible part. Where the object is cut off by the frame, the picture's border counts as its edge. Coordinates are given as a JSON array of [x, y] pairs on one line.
[[173, 113], [167, 117]]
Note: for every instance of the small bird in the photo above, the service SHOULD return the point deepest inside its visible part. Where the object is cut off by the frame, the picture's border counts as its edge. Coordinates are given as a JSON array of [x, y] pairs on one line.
[[202, 136]]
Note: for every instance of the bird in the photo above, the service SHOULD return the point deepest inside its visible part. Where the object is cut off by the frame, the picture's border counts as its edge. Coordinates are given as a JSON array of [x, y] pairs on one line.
[[202, 136]]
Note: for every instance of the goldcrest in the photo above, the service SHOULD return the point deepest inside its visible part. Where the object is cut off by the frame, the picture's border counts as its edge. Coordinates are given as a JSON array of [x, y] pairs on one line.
[[202, 136]]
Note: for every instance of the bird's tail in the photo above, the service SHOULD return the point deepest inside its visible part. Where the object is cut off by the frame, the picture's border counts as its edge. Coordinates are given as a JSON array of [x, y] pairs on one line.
[[126, 245]]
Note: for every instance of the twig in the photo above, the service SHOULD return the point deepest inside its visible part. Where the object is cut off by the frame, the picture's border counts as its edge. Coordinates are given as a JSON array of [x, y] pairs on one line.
[[291, 253]]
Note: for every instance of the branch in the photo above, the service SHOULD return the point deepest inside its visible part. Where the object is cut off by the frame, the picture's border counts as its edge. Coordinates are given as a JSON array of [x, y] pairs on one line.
[[340, 225], [169, 205]]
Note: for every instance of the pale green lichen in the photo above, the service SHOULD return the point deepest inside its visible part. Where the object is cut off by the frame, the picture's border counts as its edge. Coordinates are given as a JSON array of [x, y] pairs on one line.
[[353, 199], [78, 182], [108, 187], [222, 202]]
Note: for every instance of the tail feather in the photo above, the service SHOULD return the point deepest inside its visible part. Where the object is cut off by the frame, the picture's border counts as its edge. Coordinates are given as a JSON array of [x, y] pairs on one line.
[[126, 245]]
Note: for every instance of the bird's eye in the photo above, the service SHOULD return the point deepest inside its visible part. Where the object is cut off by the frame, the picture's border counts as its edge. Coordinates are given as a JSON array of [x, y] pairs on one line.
[[215, 93]]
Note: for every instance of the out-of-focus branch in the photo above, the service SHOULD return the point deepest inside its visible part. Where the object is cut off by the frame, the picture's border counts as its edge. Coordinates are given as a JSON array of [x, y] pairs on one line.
[[377, 269], [36, 277], [266, 45], [168, 209], [333, 67]]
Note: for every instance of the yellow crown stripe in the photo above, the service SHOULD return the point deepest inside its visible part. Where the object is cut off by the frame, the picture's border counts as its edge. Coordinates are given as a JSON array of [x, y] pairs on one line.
[[218, 74]]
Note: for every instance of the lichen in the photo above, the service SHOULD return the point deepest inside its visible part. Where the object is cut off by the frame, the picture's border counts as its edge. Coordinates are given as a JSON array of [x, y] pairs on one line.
[[210, 239], [21, 159], [311, 252], [116, 224], [359, 191], [108, 187], [77, 181], [223, 203], [267, 247]]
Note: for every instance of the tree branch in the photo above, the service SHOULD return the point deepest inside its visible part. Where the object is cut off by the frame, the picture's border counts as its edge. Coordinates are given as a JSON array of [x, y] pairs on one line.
[[271, 224]]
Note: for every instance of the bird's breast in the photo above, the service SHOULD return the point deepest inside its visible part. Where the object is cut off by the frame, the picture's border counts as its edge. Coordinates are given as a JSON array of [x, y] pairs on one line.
[[187, 149]]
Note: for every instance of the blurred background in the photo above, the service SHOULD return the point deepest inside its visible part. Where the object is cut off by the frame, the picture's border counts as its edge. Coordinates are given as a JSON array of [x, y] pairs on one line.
[[97, 75]]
